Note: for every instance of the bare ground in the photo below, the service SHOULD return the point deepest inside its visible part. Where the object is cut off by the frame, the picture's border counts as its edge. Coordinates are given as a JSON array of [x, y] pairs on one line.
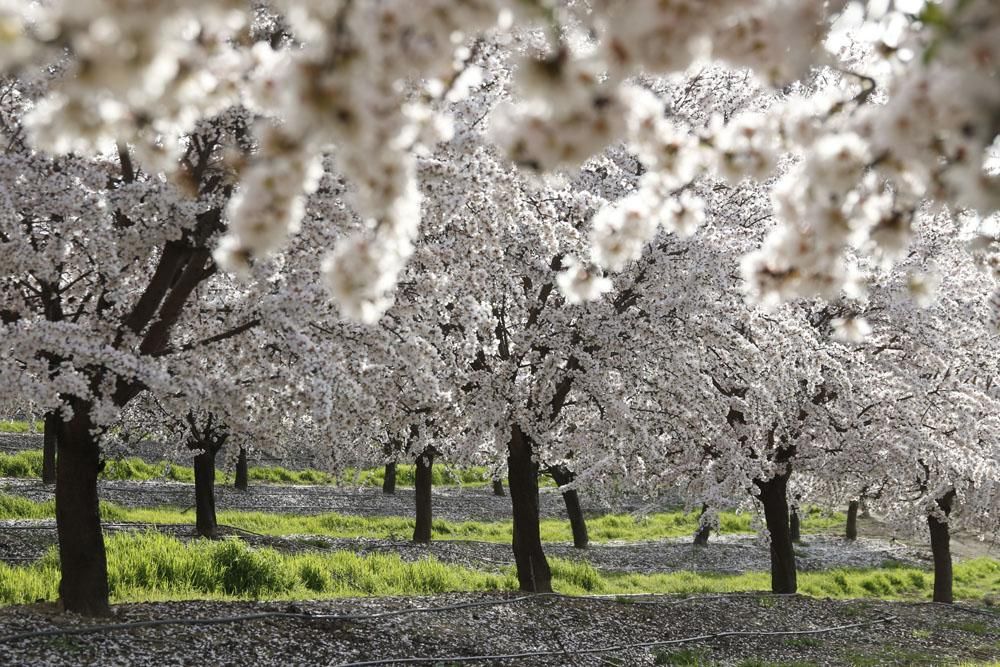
[[537, 630]]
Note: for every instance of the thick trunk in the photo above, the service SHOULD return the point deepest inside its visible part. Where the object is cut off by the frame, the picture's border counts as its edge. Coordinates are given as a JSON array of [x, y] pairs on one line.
[[704, 530], [773, 497], [389, 481], [49, 448], [83, 587], [533, 572], [563, 476], [794, 527], [498, 488], [204, 494], [852, 520], [422, 482], [242, 471], [941, 548]]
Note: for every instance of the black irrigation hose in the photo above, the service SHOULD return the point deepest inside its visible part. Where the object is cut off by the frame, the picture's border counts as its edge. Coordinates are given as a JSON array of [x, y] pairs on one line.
[[110, 627], [618, 647], [92, 629]]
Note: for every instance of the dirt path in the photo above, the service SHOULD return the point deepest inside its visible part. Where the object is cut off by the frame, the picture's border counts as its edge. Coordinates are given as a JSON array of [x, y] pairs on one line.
[[559, 631]]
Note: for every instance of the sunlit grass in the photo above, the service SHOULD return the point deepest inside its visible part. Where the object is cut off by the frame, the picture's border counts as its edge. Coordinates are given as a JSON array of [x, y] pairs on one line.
[[611, 527], [21, 426], [28, 464], [151, 566]]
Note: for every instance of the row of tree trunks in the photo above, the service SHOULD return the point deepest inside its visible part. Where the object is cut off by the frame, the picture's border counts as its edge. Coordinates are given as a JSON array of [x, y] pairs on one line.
[[533, 574], [704, 530], [83, 587], [852, 520], [206, 523], [423, 482], [389, 482], [563, 476], [773, 496], [242, 471], [49, 436], [794, 527], [941, 549], [389, 479]]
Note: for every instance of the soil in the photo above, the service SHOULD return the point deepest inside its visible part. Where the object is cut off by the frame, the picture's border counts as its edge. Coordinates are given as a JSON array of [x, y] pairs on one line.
[[533, 630]]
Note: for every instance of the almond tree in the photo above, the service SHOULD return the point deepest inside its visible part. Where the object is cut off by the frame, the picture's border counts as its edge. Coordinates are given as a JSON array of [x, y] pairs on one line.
[[362, 78], [100, 258]]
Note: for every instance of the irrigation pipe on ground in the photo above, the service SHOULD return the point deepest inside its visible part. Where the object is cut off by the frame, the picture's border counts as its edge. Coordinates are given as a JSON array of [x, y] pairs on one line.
[[617, 647], [217, 620]]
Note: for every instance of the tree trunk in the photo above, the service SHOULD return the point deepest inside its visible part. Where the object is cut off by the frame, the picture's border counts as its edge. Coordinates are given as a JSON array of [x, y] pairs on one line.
[[773, 497], [204, 494], [498, 488], [794, 527], [563, 476], [389, 481], [83, 587], [704, 530], [941, 548], [242, 471], [422, 482], [49, 436], [533, 572], [852, 520]]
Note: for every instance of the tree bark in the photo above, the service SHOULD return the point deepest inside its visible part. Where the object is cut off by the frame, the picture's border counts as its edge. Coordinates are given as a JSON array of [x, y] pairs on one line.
[[498, 488], [389, 481], [49, 436], [563, 476], [533, 572], [204, 494], [794, 527], [83, 587], [941, 548], [852, 520], [704, 531], [422, 482], [242, 471], [773, 497]]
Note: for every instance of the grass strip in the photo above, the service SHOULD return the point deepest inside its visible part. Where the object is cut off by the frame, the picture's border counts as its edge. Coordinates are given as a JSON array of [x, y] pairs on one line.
[[28, 464], [606, 528], [151, 567], [21, 426]]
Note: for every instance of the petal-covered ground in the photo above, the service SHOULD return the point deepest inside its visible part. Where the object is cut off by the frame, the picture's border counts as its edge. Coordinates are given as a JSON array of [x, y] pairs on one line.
[[733, 629]]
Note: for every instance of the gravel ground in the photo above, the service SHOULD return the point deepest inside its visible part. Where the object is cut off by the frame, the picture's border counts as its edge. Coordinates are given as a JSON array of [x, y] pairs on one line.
[[452, 503], [561, 628]]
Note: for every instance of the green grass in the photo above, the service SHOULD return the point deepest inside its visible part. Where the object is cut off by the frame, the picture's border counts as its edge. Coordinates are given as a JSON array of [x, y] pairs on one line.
[[20, 426], [152, 566], [682, 656], [602, 529], [28, 463]]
